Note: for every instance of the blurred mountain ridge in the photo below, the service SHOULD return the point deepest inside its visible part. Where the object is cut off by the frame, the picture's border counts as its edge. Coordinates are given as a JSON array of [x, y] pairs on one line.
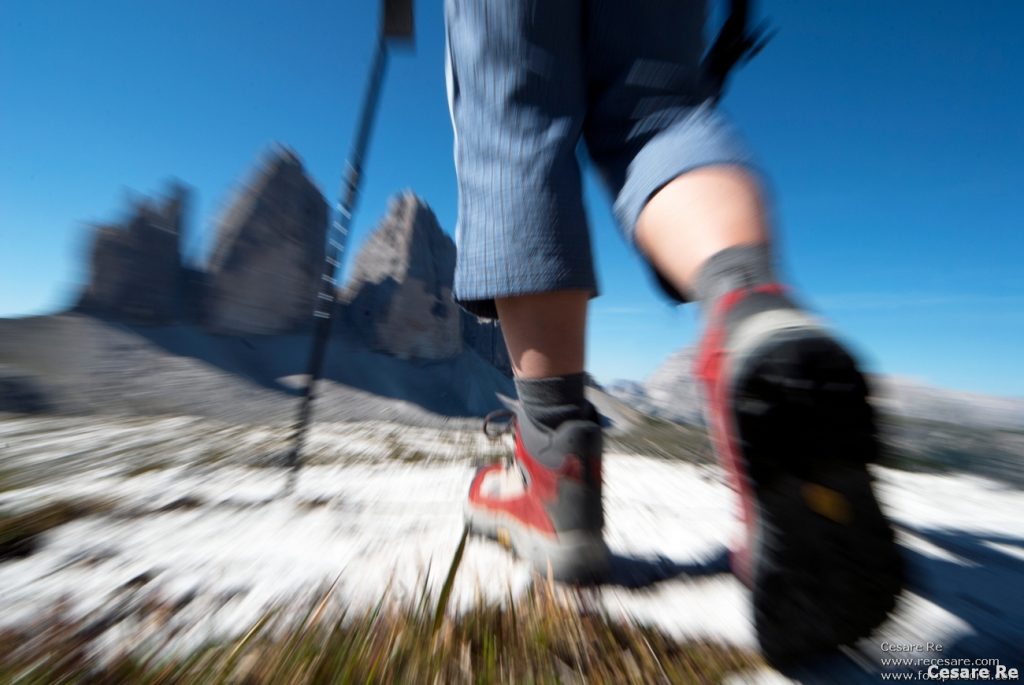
[[673, 392], [231, 337], [921, 426]]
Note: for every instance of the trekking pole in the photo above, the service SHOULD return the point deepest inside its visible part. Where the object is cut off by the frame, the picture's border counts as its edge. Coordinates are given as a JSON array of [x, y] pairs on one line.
[[396, 25]]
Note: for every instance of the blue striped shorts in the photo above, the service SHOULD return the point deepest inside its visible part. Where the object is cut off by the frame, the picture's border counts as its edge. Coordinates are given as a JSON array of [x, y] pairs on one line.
[[527, 81]]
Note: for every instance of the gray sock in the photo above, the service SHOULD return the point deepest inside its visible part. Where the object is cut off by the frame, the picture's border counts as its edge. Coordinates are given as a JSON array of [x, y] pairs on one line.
[[741, 266], [550, 401]]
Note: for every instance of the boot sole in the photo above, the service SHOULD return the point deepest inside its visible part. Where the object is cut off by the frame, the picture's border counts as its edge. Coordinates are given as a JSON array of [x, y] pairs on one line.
[[825, 569], [573, 557]]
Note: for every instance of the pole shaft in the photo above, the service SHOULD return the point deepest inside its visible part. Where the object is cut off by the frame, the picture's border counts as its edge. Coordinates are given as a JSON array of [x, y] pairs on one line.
[[337, 239]]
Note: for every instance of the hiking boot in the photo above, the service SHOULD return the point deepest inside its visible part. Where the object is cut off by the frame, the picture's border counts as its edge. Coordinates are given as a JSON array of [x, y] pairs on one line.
[[790, 420], [545, 504]]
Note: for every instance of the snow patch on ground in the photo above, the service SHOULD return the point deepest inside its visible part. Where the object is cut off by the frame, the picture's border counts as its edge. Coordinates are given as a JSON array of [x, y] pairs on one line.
[[207, 527]]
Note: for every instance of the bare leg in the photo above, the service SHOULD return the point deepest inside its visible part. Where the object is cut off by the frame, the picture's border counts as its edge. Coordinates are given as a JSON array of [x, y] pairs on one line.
[[696, 231], [700, 213], [695, 216], [555, 484], [545, 332]]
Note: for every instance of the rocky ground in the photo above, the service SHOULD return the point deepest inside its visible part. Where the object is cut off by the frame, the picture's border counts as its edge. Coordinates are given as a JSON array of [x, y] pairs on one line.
[[105, 519], [75, 363]]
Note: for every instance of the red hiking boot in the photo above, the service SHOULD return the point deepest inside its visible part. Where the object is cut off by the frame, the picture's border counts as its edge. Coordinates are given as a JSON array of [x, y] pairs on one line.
[[545, 505], [791, 423]]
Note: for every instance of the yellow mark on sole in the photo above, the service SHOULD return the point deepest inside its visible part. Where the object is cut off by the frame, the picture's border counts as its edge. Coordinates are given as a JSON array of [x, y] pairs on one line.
[[504, 538], [826, 502]]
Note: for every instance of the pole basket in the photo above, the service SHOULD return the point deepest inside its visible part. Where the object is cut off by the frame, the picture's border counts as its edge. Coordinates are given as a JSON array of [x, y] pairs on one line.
[[397, 20]]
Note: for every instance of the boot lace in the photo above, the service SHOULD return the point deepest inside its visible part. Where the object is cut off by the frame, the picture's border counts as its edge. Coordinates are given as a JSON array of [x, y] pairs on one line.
[[498, 423]]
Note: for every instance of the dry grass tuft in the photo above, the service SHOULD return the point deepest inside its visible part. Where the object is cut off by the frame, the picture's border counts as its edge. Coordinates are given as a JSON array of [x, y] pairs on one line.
[[549, 635]]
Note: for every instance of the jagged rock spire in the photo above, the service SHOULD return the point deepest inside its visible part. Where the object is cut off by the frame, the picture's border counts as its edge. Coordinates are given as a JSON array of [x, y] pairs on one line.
[[264, 271], [400, 293], [135, 265]]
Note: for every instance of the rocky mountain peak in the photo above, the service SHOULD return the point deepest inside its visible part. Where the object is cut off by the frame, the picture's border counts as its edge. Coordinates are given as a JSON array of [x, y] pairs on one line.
[[407, 243], [674, 388], [135, 264], [399, 295], [264, 271]]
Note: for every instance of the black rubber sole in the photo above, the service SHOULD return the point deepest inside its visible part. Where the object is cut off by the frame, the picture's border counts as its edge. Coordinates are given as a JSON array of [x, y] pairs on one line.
[[825, 570]]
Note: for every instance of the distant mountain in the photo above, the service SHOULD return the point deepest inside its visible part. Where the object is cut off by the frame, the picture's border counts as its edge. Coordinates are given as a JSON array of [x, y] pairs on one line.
[[912, 399], [264, 272], [230, 338], [921, 426], [135, 264], [672, 392], [399, 295]]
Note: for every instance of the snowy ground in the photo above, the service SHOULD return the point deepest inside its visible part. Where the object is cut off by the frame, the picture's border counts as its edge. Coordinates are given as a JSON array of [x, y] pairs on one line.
[[192, 514]]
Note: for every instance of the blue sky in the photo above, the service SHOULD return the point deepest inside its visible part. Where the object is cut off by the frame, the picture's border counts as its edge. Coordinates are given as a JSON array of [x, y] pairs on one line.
[[891, 133]]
